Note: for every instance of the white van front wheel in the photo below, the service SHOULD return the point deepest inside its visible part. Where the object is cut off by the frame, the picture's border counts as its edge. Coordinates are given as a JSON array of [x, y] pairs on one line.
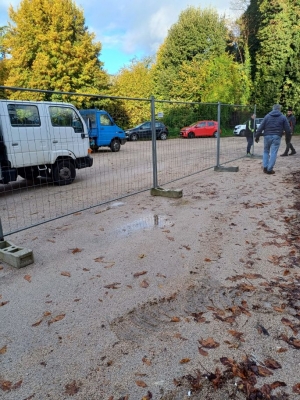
[[64, 172]]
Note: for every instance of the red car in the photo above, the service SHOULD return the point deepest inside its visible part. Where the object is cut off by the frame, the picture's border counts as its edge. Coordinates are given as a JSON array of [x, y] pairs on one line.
[[200, 129]]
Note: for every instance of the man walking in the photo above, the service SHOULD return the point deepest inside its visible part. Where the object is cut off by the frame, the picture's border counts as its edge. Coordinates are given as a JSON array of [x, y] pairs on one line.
[[272, 127], [250, 130], [292, 121]]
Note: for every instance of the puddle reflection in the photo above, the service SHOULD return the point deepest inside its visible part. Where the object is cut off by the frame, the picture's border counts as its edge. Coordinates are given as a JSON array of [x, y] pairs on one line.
[[146, 223]]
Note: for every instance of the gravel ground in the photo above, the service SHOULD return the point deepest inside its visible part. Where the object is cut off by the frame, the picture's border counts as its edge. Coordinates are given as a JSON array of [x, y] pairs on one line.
[[157, 298]]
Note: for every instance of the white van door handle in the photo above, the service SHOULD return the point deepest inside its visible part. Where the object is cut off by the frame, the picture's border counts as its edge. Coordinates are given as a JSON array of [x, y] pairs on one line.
[[55, 141], [15, 144]]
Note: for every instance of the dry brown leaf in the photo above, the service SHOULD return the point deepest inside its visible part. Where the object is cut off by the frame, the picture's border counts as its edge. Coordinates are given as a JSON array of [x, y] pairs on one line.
[[57, 318], [187, 247], [290, 324], [170, 238], [142, 255], [207, 259], [209, 343], [3, 350], [27, 278], [85, 269], [137, 274], [146, 361], [281, 350], [17, 385], [185, 360], [72, 388], [3, 303], [65, 273], [141, 384], [1, 267], [175, 319], [5, 385], [160, 275], [51, 240], [144, 284], [262, 371], [113, 285], [38, 322], [76, 250], [47, 313], [271, 363], [98, 259], [278, 309], [296, 388], [202, 352], [179, 336]]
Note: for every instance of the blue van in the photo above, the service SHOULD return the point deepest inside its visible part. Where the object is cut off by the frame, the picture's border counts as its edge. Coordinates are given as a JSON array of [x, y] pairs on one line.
[[102, 130]]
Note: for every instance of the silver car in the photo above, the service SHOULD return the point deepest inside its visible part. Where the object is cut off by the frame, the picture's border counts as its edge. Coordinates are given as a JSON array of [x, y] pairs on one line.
[[239, 130]]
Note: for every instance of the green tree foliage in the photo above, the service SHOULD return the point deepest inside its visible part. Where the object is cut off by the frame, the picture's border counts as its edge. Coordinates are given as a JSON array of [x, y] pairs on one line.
[[212, 80], [3, 60], [50, 48], [135, 81], [198, 34], [274, 45]]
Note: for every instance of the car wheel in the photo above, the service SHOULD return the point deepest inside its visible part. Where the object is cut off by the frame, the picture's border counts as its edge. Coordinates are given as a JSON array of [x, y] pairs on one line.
[[163, 136], [191, 135], [115, 145], [64, 172], [215, 134], [242, 132], [134, 137]]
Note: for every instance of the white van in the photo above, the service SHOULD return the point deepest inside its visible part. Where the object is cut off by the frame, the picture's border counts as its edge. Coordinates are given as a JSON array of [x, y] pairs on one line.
[[39, 138]]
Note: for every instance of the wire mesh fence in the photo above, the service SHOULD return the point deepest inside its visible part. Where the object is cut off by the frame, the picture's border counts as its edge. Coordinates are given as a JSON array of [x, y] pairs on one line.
[[156, 151]]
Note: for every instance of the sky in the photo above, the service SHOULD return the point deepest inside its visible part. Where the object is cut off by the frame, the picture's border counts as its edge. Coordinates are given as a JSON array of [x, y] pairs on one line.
[[131, 29]]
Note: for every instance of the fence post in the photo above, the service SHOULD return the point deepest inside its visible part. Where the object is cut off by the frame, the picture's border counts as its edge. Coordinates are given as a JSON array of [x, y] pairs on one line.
[[154, 153], [1, 232], [218, 137], [253, 135]]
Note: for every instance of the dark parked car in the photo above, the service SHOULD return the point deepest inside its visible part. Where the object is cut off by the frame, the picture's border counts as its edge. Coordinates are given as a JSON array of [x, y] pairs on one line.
[[143, 131]]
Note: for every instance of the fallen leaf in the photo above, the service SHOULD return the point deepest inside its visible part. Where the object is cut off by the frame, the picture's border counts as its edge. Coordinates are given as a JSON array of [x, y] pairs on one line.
[[237, 335], [160, 275], [85, 269], [148, 396], [17, 385], [47, 313], [170, 238], [144, 284], [202, 352], [137, 274], [98, 259], [207, 259], [57, 318], [65, 273], [3, 350], [141, 384], [76, 250], [262, 371], [72, 388], [289, 323], [27, 278], [51, 240], [3, 303], [38, 322], [296, 388], [179, 336], [5, 385], [281, 350], [277, 384], [112, 285], [1, 267], [209, 343], [187, 247], [142, 255], [271, 363], [175, 319], [146, 361], [185, 360]]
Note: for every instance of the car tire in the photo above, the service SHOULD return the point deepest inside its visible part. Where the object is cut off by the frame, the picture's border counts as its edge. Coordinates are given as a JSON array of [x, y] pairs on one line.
[[134, 137], [191, 135], [64, 172], [115, 145], [215, 134], [163, 136], [242, 132]]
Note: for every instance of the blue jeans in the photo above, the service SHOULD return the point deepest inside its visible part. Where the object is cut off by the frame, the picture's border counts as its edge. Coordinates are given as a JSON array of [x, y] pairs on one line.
[[271, 146]]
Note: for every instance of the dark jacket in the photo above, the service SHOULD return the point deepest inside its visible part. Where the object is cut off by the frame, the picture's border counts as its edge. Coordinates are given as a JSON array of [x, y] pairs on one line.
[[274, 123], [250, 127], [292, 121]]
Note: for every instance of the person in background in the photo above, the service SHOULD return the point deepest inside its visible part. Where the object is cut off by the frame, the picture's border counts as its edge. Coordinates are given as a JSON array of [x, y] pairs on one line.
[[292, 121], [250, 130], [272, 127]]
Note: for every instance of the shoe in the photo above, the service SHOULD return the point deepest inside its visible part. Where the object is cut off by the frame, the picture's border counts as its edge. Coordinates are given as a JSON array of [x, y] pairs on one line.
[[271, 172], [292, 153], [284, 155], [249, 154], [265, 170]]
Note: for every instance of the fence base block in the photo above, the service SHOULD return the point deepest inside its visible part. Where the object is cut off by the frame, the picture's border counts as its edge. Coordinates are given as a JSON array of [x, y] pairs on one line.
[[256, 156], [226, 169], [16, 256], [172, 193]]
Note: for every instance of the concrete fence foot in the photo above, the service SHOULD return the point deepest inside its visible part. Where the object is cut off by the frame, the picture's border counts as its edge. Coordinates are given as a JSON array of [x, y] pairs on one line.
[[172, 193], [226, 169], [15, 256]]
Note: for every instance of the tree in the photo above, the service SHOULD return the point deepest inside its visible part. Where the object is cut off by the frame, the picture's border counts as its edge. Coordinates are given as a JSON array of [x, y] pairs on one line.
[[3, 60], [51, 49], [198, 34], [135, 81]]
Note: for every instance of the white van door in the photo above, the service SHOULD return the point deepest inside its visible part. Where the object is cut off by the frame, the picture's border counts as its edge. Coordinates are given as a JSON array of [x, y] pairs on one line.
[[67, 130], [26, 139]]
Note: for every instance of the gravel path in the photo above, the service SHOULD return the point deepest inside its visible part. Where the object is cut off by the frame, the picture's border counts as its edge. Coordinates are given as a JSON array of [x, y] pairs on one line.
[[157, 298]]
